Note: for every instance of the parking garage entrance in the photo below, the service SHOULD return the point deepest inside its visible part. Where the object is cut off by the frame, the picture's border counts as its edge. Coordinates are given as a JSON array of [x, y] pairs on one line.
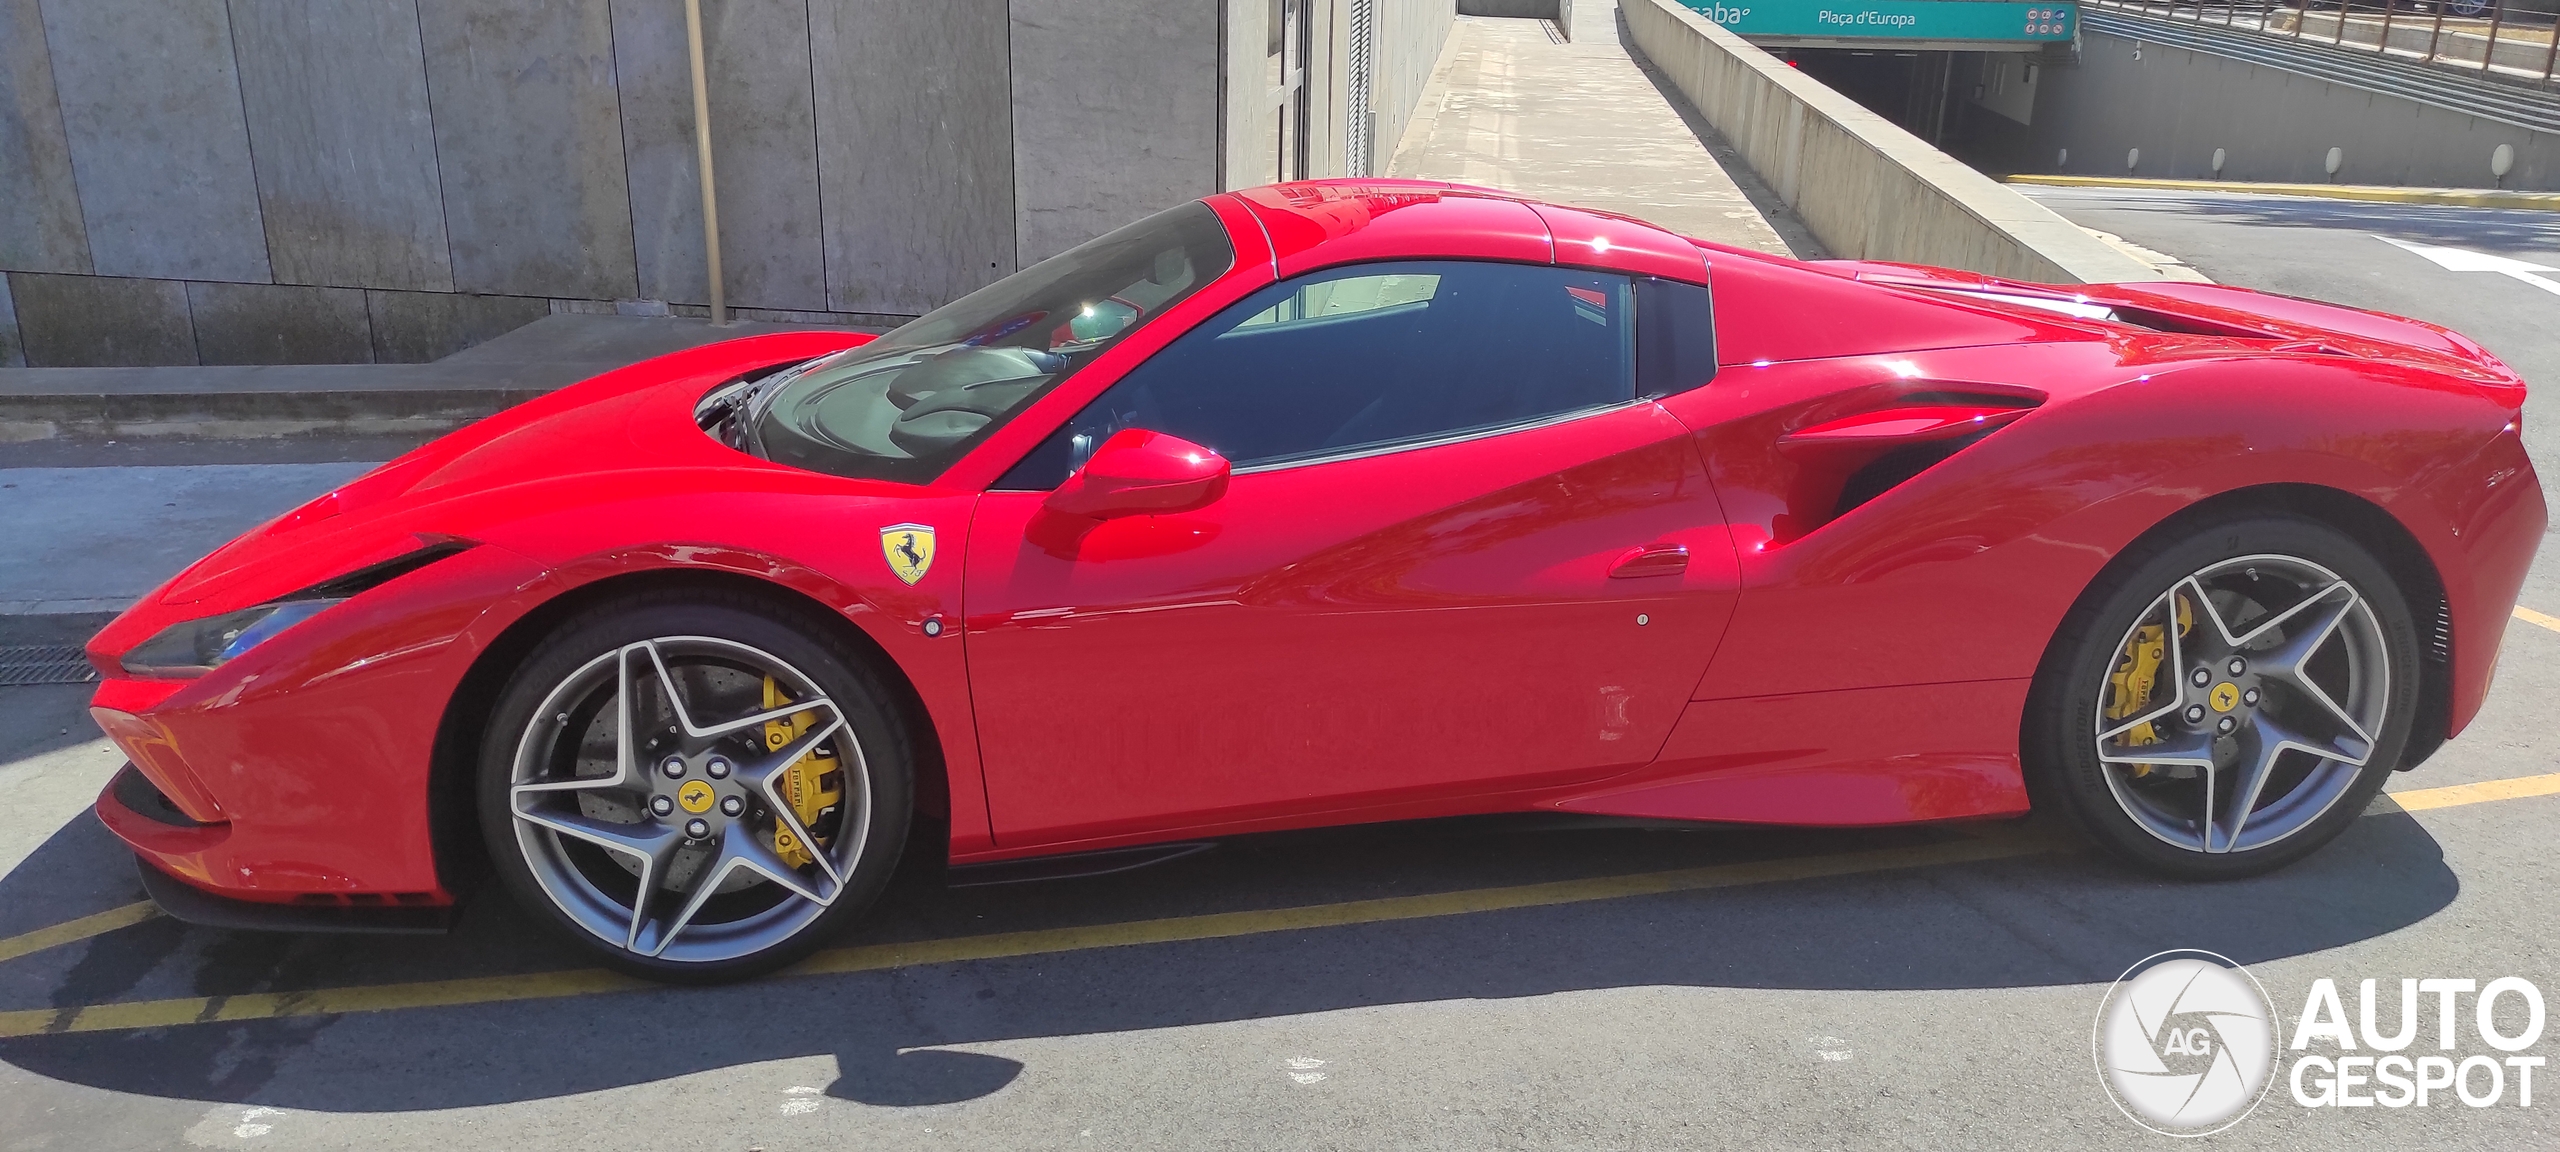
[[1919, 63]]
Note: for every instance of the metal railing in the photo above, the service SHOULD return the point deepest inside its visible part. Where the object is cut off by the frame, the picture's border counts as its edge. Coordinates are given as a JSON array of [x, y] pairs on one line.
[[2509, 40]]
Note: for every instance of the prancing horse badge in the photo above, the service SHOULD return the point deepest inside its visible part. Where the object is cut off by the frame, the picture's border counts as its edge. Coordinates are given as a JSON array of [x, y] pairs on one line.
[[909, 548]]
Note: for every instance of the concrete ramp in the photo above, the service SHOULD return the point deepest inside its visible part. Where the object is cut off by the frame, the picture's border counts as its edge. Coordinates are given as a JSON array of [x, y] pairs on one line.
[[1865, 187], [1516, 106]]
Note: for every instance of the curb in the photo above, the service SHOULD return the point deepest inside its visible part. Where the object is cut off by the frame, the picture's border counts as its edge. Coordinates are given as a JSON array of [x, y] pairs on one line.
[[257, 401], [266, 400], [53, 628], [2452, 197]]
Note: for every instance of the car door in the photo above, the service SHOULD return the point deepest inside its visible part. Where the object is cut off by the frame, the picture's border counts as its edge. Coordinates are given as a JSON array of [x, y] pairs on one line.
[[1458, 555]]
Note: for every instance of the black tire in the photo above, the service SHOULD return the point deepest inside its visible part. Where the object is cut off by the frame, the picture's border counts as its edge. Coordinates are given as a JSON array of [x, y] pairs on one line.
[[811, 645], [2061, 735]]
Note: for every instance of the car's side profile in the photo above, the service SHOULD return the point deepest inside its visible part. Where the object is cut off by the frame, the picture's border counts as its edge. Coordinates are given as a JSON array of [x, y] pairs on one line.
[[1336, 502]]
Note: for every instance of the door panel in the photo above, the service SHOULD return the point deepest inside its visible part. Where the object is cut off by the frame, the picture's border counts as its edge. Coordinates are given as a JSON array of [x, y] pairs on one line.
[[1435, 621]]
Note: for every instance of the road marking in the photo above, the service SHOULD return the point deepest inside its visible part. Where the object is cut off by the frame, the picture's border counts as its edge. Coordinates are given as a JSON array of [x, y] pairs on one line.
[[877, 957], [2465, 260], [2451, 795], [1213, 926], [2530, 616], [74, 931], [2454, 197]]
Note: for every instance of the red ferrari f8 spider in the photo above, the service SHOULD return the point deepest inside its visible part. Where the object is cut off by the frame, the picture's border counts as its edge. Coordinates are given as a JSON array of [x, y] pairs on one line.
[[1335, 502]]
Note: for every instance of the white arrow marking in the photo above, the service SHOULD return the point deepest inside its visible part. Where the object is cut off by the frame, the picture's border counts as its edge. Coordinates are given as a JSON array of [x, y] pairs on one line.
[[2465, 260]]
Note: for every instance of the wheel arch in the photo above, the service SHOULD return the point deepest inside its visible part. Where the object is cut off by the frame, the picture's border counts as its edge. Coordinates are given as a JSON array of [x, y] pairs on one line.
[[453, 825], [2370, 525]]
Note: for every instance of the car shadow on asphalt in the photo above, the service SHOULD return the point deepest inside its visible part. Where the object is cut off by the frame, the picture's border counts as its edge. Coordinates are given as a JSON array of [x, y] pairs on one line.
[[898, 1036]]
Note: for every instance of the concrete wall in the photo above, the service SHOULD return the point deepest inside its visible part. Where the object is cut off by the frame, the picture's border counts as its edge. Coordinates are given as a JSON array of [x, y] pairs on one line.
[[1135, 80], [915, 149], [1866, 188], [1406, 40], [2177, 106], [1414, 32], [319, 181], [2003, 83]]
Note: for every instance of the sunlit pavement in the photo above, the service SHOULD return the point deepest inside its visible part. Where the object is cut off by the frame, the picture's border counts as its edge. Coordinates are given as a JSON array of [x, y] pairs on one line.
[[1401, 986]]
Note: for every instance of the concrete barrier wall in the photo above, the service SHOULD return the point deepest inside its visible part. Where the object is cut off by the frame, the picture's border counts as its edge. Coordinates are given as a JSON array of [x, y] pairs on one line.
[[1865, 187], [1411, 34], [326, 181], [1560, 11]]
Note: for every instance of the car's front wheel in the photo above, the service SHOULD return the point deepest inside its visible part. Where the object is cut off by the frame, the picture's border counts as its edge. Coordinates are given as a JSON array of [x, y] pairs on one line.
[[2224, 703], [699, 786]]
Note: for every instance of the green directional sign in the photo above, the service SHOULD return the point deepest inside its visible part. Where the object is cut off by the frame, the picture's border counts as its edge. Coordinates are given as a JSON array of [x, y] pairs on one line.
[[1971, 21]]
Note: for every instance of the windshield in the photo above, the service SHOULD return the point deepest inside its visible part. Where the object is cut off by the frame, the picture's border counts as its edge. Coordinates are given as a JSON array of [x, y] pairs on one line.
[[907, 405]]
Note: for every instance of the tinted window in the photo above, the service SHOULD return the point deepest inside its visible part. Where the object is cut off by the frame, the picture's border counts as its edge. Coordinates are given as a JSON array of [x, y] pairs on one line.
[[1675, 337], [905, 406], [1368, 357]]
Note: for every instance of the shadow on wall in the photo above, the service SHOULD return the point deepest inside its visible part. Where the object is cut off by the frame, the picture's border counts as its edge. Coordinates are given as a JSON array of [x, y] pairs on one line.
[[2025, 922]]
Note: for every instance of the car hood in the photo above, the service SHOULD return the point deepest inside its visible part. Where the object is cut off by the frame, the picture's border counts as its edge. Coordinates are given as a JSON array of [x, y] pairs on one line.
[[600, 435]]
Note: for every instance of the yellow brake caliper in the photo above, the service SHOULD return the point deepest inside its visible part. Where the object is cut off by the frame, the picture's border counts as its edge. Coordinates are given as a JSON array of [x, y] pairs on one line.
[[813, 785], [2137, 672]]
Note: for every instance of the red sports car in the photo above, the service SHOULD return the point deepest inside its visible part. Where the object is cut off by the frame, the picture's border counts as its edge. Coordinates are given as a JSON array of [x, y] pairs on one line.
[[1335, 502]]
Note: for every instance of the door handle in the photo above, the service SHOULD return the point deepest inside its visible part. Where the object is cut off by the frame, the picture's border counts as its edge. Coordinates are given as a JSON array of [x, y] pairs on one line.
[[1651, 560]]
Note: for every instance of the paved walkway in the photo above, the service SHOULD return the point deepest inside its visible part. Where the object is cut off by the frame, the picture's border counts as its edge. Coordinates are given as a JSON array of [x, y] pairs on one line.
[[1577, 123]]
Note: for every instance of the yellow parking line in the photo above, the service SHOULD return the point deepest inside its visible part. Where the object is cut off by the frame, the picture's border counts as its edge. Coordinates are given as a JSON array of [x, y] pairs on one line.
[[2421, 799], [874, 957], [2530, 616], [1225, 924], [1213, 926], [2458, 197], [74, 931]]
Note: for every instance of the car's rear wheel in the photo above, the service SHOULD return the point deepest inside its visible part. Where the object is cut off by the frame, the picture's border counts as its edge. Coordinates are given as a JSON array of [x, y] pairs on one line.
[[700, 787], [2227, 701]]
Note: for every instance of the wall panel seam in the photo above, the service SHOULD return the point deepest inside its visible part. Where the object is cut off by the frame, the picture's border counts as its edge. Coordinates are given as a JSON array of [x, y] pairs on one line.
[[817, 158], [435, 148], [248, 140], [622, 128], [70, 165]]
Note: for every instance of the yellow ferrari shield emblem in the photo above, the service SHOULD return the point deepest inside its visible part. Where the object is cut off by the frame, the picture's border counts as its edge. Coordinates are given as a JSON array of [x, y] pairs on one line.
[[695, 796], [2226, 696], [909, 548]]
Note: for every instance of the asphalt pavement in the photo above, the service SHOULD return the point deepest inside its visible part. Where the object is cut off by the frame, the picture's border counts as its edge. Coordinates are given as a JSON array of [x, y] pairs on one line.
[[1452, 985]]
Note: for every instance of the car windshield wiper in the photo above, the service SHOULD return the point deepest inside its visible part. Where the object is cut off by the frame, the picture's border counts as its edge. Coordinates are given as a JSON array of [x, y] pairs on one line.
[[731, 415]]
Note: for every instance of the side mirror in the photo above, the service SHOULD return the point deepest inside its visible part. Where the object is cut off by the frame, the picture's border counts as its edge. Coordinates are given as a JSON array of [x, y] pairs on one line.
[[1137, 473]]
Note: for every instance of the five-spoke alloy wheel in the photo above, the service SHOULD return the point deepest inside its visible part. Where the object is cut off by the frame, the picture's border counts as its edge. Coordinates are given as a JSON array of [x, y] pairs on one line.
[[698, 789], [2226, 701]]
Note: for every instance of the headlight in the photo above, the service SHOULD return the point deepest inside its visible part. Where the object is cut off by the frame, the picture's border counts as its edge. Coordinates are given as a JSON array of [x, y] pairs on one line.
[[196, 647], [199, 646]]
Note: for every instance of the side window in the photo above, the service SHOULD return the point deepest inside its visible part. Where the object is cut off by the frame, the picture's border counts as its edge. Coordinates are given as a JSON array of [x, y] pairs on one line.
[[1366, 358], [1675, 337]]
